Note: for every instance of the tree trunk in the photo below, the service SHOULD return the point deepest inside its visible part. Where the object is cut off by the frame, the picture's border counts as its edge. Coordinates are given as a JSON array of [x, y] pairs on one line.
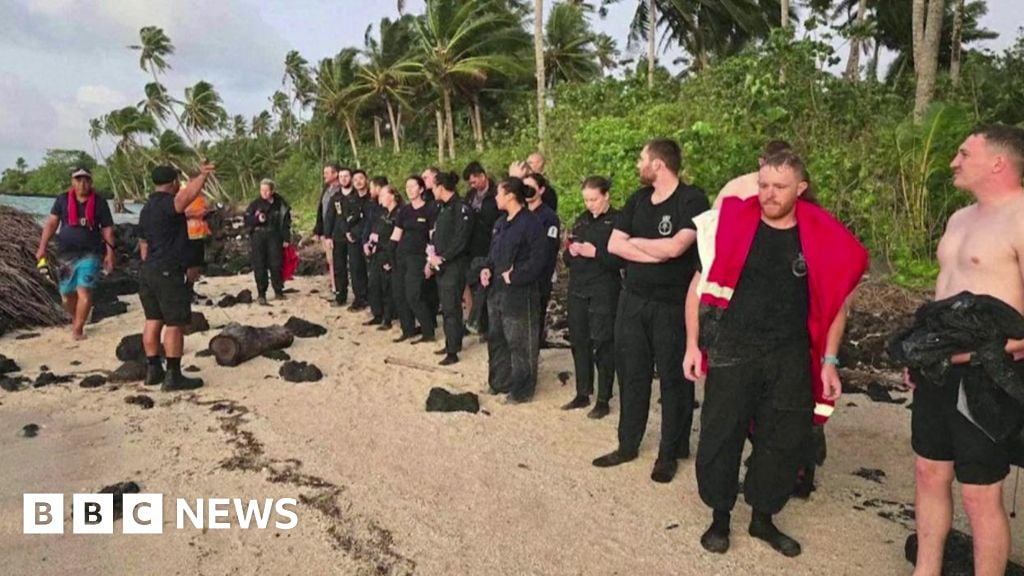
[[853, 64], [440, 135], [449, 124], [957, 41], [238, 343], [378, 138], [785, 14], [872, 73], [538, 56], [352, 140], [652, 25], [394, 126], [927, 22], [478, 124]]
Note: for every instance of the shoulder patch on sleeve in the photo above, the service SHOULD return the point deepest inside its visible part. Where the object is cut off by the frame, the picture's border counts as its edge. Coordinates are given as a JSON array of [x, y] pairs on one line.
[[553, 232]]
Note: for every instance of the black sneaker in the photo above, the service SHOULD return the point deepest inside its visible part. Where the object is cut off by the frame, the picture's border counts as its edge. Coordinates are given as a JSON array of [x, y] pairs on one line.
[[578, 402], [154, 374], [449, 360], [422, 339], [664, 470], [177, 382], [599, 411], [402, 338], [614, 459], [384, 326]]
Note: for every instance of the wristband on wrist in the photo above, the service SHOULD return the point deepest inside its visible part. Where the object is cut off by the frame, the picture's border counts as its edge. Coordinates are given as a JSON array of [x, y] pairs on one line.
[[830, 360]]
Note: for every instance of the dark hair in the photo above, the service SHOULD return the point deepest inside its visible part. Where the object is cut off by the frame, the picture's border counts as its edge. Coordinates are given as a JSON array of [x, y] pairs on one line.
[[335, 165], [790, 159], [391, 190], [516, 187], [774, 147], [666, 150], [345, 169], [419, 181], [447, 179], [1008, 138], [433, 170], [359, 171], [474, 168], [539, 178], [379, 180], [598, 183]]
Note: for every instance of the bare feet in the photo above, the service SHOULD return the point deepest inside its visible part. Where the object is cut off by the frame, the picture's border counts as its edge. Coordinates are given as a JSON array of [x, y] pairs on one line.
[[75, 335]]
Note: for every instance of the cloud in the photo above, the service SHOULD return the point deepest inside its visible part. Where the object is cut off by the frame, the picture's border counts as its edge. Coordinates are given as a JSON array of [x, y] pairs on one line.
[[91, 96]]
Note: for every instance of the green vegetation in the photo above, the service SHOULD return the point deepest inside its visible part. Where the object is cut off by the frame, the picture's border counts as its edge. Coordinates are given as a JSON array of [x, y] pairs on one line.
[[458, 83]]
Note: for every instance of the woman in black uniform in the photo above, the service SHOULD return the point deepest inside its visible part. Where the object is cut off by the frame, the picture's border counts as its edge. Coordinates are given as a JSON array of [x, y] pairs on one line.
[[412, 234], [381, 253], [595, 279], [512, 273]]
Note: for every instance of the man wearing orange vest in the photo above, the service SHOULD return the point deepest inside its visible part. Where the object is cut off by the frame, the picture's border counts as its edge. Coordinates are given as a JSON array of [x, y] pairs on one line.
[[198, 233]]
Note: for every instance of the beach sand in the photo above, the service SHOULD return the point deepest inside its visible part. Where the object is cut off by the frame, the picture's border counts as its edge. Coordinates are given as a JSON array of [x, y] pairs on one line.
[[387, 488]]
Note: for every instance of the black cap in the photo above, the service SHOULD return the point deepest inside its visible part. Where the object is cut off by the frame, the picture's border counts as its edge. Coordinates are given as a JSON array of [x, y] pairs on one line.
[[81, 172], [164, 175]]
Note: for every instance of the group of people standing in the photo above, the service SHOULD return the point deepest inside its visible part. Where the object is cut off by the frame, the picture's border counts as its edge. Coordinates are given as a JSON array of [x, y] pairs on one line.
[[750, 297]]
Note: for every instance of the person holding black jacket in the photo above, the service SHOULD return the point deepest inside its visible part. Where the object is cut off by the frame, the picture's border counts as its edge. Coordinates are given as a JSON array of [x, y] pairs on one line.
[[482, 198], [269, 219], [536, 186], [412, 234], [380, 251], [512, 274], [595, 279], [448, 259]]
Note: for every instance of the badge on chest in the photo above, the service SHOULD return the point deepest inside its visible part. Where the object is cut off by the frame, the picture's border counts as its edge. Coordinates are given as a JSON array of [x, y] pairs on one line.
[[665, 226]]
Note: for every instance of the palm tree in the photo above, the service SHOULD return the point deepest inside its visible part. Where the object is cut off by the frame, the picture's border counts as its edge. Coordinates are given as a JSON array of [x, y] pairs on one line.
[[203, 110], [927, 27], [261, 124], [334, 78], [570, 54], [466, 41], [157, 102], [296, 70], [125, 125], [154, 49], [96, 131], [606, 51], [539, 63]]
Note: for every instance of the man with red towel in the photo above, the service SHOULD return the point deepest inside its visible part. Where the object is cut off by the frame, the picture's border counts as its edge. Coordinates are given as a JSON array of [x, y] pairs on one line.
[[768, 311], [85, 235]]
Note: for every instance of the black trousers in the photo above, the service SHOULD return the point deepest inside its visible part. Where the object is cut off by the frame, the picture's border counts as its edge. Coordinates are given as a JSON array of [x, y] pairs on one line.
[[451, 281], [651, 333], [340, 258], [379, 293], [545, 297], [267, 253], [357, 271], [773, 393], [478, 311], [592, 336], [408, 290], [513, 349]]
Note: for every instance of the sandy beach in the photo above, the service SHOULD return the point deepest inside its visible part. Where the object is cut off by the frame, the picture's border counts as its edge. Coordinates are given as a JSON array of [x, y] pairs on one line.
[[387, 488]]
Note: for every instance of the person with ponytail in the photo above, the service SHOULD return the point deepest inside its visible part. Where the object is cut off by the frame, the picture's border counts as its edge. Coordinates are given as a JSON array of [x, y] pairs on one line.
[[84, 226]]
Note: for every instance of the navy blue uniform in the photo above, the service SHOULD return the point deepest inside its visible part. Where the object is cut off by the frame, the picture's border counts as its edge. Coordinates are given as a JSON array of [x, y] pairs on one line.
[[409, 282], [513, 344], [552, 227]]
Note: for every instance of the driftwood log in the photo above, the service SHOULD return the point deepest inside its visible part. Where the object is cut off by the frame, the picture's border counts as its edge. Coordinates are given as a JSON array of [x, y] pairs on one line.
[[238, 343]]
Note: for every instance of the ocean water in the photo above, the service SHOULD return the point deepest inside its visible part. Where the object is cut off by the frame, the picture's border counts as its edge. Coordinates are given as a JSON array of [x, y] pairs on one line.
[[39, 207]]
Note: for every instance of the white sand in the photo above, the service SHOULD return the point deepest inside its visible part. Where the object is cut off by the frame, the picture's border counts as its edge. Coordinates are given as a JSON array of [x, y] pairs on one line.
[[393, 489]]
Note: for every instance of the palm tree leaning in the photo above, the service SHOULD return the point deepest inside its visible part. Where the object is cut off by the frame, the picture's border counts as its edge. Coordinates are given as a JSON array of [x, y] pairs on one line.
[[95, 132]]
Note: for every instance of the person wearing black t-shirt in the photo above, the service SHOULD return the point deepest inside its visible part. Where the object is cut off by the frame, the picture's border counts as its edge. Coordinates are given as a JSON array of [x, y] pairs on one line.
[[656, 237], [335, 228], [481, 197], [163, 291], [448, 260], [381, 253], [413, 224], [84, 227], [269, 219], [595, 280], [552, 226], [354, 224], [512, 274]]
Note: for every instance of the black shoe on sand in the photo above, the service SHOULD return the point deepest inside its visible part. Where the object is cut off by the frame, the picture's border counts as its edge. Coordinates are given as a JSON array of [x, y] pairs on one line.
[[664, 470], [600, 410], [716, 538], [580, 401], [762, 528], [177, 382], [154, 375], [614, 459]]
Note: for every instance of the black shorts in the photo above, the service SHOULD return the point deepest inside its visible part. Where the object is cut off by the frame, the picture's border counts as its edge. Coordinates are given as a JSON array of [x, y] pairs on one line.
[[165, 296], [940, 432], [197, 253]]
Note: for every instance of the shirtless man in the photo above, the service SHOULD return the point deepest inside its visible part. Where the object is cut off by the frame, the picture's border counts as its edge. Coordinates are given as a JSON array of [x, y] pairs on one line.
[[982, 251], [745, 186]]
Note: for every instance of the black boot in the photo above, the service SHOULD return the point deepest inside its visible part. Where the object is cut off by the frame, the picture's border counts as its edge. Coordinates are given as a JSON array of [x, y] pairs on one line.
[[175, 381], [664, 470], [154, 374], [599, 411], [716, 538], [762, 528]]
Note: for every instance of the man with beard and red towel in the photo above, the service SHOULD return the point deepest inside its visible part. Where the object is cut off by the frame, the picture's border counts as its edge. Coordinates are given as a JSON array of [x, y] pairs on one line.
[[769, 313], [85, 235]]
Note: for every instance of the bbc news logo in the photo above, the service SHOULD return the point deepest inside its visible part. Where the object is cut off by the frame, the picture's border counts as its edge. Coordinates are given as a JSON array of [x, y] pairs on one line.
[[144, 513]]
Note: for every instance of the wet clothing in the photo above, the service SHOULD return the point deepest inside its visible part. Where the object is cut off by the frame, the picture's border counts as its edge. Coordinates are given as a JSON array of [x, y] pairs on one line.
[[84, 236], [381, 265], [649, 322], [774, 393], [411, 257], [513, 337], [450, 239], [78, 272], [666, 281], [594, 285], [266, 242]]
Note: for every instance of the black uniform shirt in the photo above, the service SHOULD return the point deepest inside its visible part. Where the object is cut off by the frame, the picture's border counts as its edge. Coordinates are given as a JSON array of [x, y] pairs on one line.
[[552, 228], [165, 231], [416, 224], [666, 281], [518, 244], [452, 229], [605, 268]]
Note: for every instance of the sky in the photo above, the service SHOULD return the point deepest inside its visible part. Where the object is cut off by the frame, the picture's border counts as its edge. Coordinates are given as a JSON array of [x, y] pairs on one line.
[[63, 62]]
